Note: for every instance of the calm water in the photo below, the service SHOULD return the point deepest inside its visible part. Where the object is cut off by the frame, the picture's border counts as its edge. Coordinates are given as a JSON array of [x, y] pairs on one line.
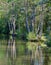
[[23, 55]]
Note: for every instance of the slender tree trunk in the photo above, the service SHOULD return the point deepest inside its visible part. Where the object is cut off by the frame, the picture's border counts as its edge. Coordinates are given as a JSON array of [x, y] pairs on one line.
[[26, 10], [32, 26], [40, 26], [11, 50], [27, 25], [41, 20]]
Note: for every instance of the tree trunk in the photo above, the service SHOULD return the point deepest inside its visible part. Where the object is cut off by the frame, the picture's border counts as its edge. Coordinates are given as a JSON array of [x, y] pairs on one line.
[[32, 26], [27, 25], [11, 50], [40, 26]]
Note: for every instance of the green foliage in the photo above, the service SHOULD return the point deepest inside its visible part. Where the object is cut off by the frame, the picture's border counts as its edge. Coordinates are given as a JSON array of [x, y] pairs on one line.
[[48, 42], [33, 45], [43, 38], [31, 36], [6, 12]]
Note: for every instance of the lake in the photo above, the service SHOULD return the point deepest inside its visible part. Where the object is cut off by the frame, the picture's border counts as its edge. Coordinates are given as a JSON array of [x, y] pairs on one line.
[[23, 55]]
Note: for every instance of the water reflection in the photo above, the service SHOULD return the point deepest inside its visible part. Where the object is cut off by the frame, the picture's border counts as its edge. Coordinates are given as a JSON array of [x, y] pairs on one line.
[[47, 56], [38, 56], [42, 56], [11, 51]]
